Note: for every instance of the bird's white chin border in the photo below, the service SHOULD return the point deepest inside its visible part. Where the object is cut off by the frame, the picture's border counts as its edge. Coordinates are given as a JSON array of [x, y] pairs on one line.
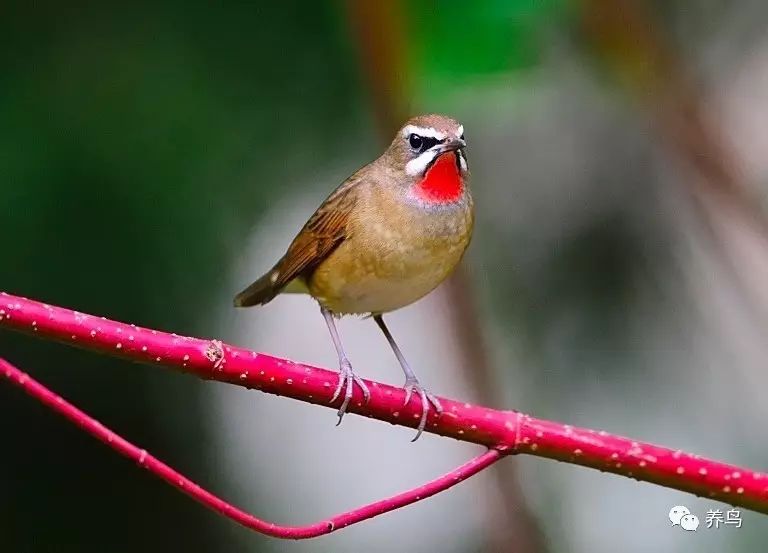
[[418, 165], [463, 161]]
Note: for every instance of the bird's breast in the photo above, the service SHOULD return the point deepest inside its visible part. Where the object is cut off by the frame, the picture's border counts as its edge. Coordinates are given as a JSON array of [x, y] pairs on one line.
[[396, 253]]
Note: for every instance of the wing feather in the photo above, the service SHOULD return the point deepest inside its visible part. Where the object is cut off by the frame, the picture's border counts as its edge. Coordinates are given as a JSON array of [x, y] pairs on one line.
[[321, 235]]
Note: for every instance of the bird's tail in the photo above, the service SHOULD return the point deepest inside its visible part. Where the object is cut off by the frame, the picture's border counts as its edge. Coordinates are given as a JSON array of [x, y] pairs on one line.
[[262, 291]]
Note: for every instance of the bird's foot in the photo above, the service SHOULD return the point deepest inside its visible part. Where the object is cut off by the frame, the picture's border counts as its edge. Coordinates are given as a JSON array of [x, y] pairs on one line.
[[412, 385], [347, 378]]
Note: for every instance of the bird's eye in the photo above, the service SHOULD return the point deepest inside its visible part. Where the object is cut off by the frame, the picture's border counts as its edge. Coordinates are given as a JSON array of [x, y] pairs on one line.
[[421, 144], [462, 137]]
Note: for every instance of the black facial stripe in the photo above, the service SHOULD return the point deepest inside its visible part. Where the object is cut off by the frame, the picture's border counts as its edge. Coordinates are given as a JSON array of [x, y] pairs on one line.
[[420, 143], [427, 143]]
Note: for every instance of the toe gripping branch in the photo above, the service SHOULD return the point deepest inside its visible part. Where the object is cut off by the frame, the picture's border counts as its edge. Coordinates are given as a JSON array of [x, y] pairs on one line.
[[502, 432]]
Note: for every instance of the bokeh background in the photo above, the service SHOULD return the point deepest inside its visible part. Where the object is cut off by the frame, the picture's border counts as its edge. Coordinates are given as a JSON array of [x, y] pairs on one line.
[[155, 157]]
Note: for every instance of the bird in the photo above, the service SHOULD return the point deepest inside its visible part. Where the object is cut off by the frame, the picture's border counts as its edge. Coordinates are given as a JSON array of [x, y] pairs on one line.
[[386, 237]]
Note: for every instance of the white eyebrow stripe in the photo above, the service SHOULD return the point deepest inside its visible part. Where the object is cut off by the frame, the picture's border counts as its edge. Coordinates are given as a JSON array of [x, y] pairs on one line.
[[423, 131], [460, 131]]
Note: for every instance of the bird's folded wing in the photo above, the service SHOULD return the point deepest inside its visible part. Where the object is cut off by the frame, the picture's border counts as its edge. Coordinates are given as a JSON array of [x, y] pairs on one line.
[[322, 234]]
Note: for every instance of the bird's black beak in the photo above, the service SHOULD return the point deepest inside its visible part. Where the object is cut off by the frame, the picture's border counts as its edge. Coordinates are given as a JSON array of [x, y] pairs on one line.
[[451, 145]]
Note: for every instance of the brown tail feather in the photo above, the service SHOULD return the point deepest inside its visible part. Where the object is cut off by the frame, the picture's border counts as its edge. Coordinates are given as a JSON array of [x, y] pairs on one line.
[[260, 292]]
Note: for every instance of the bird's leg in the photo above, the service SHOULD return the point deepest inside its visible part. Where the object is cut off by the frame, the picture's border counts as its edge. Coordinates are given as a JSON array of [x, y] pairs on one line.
[[346, 376], [411, 382]]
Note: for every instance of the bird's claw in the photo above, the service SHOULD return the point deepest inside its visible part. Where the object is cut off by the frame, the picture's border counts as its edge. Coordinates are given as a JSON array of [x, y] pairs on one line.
[[412, 385], [347, 378]]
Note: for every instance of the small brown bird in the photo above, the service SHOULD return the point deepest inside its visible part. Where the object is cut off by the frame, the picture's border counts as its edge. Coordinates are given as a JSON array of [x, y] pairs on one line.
[[389, 235]]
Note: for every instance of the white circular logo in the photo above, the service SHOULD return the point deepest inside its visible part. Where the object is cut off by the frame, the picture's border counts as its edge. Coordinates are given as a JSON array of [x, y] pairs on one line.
[[689, 522]]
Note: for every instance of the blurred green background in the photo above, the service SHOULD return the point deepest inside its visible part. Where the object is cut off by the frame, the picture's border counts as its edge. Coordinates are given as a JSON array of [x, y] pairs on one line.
[[155, 157]]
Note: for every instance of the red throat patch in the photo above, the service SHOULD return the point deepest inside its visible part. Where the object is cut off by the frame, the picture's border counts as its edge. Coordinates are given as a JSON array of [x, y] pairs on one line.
[[442, 183]]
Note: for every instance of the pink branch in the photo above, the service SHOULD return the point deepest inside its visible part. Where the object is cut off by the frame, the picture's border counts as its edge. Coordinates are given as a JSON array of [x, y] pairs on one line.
[[503, 431], [184, 484]]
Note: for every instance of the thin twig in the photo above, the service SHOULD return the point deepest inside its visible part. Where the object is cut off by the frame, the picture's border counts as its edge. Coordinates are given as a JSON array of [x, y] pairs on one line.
[[184, 484]]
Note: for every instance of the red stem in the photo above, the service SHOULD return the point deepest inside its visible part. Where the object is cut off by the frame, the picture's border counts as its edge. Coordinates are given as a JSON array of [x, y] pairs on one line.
[[503, 431], [184, 484]]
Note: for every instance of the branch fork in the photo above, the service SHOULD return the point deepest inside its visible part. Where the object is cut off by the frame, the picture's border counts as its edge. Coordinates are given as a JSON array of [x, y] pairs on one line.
[[501, 432]]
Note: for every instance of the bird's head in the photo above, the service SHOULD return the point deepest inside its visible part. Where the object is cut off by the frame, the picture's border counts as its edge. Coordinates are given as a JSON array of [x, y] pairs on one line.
[[428, 152]]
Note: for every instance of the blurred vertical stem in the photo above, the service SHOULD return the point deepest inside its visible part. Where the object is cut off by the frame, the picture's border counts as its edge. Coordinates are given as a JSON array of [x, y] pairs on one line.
[[626, 37], [379, 32]]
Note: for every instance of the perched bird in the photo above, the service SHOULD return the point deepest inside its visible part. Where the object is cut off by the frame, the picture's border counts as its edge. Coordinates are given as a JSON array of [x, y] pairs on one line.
[[389, 235]]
